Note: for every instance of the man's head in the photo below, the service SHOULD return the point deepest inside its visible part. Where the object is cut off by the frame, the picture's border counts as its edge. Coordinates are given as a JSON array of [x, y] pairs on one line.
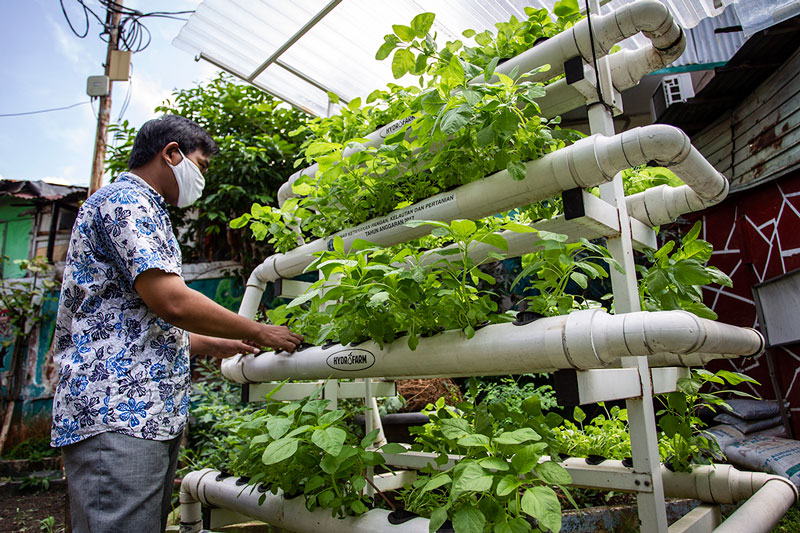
[[158, 155]]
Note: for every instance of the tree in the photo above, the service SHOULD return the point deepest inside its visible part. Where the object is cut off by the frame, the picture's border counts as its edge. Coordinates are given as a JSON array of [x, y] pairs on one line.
[[256, 156]]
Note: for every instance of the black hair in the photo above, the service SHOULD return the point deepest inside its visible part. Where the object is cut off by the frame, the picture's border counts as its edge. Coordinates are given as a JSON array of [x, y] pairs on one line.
[[155, 134]]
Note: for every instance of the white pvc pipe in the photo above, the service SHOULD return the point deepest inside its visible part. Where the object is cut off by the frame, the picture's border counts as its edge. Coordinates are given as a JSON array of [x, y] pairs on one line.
[[590, 161], [663, 204], [627, 67], [581, 340], [647, 16], [202, 487], [768, 496]]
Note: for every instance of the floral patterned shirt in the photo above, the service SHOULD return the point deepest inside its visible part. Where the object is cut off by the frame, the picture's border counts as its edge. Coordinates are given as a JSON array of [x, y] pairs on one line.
[[120, 367]]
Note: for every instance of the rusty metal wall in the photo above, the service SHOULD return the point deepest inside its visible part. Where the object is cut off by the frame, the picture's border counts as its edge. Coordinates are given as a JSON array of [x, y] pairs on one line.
[[759, 140]]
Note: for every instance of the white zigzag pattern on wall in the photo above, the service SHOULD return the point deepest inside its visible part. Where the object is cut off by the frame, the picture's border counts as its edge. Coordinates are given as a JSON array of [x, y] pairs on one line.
[[772, 239]]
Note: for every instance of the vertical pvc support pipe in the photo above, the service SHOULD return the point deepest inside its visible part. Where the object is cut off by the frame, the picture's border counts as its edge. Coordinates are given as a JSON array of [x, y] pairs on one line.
[[369, 425], [642, 422]]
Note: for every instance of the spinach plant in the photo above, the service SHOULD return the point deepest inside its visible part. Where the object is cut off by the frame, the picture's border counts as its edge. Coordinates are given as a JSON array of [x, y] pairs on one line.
[[683, 442], [501, 480], [677, 275], [303, 449], [605, 434], [550, 269], [382, 294]]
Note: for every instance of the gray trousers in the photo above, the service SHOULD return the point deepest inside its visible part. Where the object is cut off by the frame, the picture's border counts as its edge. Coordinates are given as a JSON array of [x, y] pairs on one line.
[[119, 483]]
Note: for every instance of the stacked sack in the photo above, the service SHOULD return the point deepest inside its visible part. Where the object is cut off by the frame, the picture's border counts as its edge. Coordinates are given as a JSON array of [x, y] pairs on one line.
[[752, 436]]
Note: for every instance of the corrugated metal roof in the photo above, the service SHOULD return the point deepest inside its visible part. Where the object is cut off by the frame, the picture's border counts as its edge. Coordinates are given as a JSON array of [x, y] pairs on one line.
[[39, 190], [338, 52]]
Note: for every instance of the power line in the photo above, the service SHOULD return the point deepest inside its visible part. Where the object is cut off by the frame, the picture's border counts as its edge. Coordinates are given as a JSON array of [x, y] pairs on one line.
[[133, 34], [44, 110]]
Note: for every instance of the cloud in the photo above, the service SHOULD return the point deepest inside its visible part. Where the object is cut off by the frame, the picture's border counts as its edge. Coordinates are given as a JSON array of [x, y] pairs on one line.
[[146, 94], [72, 48]]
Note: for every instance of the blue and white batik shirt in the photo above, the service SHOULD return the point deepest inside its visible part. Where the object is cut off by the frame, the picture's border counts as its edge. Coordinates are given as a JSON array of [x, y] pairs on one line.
[[120, 367]]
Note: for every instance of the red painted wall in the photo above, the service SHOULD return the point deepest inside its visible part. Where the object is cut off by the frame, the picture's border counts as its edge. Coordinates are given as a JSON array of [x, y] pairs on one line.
[[756, 237]]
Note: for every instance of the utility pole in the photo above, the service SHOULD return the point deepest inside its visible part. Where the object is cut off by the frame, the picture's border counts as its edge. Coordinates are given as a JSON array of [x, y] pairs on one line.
[[113, 17]]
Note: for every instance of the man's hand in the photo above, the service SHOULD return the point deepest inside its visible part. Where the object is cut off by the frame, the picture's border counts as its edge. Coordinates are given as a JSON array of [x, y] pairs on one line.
[[279, 338]]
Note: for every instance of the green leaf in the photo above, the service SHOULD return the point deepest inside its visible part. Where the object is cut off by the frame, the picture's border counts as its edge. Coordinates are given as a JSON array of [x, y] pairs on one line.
[[553, 473], [405, 33], [542, 504], [578, 414], [455, 119], [432, 102], [438, 517], [485, 136], [402, 62], [463, 228], [580, 279], [565, 8], [517, 227], [528, 457], [507, 485], [279, 450], [332, 416], [454, 428], [241, 221], [393, 447], [669, 424], [471, 478], [494, 463], [474, 440], [390, 43], [421, 24], [517, 436], [734, 378], [370, 437], [278, 426], [329, 439], [437, 481], [516, 169], [469, 520], [496, 240]]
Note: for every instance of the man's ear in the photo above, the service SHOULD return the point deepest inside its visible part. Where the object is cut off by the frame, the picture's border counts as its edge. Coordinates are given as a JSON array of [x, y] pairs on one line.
[[171, 153]]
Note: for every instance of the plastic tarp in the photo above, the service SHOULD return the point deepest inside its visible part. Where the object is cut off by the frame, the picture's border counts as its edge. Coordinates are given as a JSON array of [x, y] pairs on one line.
[[338, 52]]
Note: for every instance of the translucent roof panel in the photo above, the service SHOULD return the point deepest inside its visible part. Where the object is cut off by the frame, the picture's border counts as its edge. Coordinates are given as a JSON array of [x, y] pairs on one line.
[[258, 40]]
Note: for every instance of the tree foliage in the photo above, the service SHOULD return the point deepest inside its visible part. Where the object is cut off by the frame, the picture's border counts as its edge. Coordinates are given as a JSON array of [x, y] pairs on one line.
[[252, 130]]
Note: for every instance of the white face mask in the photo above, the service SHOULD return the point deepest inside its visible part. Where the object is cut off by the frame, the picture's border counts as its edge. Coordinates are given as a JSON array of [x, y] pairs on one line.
[[190, 181]]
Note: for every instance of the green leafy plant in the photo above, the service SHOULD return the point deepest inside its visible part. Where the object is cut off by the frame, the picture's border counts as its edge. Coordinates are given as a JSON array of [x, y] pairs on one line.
[[458, 133], [558, 263], [684, 443], [605, 434], [502, 478], [677, 275], [302, 448], [382, 294]]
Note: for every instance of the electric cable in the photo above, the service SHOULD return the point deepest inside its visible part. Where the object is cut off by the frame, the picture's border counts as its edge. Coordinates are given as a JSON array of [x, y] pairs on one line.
[[43, 110], [594, 55], [127, 99], [134, 36]]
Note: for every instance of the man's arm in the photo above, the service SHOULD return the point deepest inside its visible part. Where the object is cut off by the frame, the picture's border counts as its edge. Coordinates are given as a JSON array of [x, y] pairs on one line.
[[168, 296], [217, 347]]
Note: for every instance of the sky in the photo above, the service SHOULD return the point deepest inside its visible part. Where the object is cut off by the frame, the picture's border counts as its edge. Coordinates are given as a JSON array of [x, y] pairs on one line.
[[44, 65]]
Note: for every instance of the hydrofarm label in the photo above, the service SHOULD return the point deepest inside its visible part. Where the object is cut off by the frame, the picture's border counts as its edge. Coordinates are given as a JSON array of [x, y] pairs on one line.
[[351, 360]]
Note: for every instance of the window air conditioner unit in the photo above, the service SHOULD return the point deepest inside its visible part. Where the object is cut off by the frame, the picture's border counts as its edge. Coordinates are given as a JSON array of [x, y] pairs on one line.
[[671, 89]]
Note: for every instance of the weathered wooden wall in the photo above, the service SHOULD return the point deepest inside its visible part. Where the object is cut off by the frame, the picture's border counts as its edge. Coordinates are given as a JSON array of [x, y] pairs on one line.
[[759, 140]]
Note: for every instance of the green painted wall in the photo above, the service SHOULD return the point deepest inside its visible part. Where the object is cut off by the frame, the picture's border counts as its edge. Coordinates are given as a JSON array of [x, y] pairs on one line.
[[16, 231]]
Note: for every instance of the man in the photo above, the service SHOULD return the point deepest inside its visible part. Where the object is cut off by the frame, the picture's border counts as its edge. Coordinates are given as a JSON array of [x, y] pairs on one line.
[[122, 347]]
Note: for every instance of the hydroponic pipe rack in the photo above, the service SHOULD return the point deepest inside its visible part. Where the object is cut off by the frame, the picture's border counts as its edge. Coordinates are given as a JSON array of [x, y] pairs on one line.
[[630, 355]]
